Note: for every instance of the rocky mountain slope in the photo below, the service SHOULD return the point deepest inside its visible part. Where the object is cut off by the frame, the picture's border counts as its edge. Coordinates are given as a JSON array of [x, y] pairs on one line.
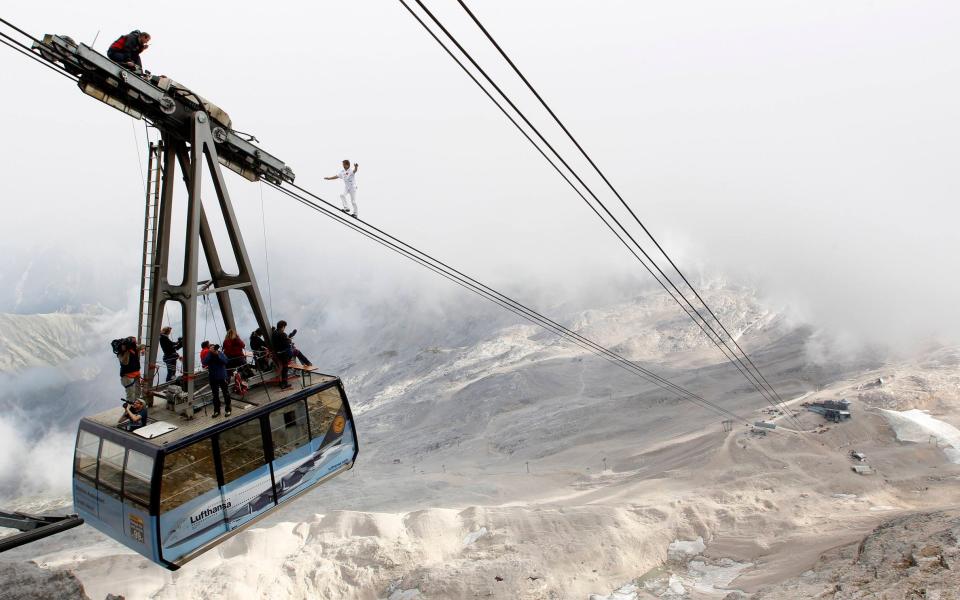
[[498, 462]]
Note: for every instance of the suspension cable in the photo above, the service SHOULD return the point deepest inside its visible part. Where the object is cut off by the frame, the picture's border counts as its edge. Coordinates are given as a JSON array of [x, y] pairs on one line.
[[646, 375], [702, 323], [726, 350], [29, 53], [18, 30], [603, 176], [502, 300]]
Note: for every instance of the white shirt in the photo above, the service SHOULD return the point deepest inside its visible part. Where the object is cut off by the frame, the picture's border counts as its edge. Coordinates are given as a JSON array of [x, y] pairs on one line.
[[348, 179]]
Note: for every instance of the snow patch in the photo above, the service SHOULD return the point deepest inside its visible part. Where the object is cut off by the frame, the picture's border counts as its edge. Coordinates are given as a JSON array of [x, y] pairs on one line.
[[690, 572], [712, 577], [919, 427], [675, 586], [680, 549], [473, 536], [845, 496], [627, 592], [413, 594]]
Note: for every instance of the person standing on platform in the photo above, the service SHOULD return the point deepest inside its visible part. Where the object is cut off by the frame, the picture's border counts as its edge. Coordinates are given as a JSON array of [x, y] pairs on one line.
[[169, 349], [283, 350], [349, 184], [128, 353], [216, 364]]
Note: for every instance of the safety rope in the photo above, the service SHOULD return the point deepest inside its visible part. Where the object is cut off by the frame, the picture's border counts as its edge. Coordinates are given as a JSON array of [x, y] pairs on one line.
[[266, 253]]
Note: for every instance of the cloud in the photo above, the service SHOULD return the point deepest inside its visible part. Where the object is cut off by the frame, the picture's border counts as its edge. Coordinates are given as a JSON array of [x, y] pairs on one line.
[[39, 411], [823, 175]]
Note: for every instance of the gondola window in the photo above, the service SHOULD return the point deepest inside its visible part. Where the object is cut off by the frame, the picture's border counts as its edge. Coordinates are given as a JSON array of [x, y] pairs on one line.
[[323, 407], [187, 473], [288, 426], [111, 464], [85, 458], [136, 477], [241, 450]]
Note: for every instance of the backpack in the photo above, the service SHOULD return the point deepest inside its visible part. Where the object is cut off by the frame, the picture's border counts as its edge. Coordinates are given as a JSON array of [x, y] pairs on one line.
[[239, 385], [121, 42]]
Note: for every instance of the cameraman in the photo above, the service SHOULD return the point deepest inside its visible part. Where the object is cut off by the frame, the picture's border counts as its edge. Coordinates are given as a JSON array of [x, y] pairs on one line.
[[129, 356], [169, 348], [134, 415]]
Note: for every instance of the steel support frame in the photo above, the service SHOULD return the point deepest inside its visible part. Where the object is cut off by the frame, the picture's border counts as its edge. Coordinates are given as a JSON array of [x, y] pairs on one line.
[[191, 160], [33, 527]]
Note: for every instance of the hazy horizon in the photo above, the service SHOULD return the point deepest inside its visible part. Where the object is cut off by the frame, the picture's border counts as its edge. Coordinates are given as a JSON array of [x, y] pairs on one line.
[[804, 149]]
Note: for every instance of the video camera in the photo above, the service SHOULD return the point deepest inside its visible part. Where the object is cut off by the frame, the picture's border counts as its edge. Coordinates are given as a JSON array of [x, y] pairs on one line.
[[122, 345]]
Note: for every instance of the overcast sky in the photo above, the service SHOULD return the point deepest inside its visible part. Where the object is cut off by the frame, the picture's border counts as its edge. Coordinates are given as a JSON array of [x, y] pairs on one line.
[[808, 147]]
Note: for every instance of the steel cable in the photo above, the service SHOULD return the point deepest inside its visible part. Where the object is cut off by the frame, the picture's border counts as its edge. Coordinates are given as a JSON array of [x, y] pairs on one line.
[[502, 300], [26, 51], [701, 322], [616, 193]]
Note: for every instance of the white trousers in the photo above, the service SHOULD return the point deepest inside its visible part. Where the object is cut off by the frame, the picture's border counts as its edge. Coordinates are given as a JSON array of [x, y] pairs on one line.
[[353, 200]]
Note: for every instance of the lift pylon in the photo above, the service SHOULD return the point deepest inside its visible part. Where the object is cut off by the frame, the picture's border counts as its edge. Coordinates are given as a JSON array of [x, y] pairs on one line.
[[193, 131], [193, 159]]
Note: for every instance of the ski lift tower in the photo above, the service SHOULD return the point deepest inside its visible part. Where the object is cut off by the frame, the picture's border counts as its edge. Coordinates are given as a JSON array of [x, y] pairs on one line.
[[196, 139]]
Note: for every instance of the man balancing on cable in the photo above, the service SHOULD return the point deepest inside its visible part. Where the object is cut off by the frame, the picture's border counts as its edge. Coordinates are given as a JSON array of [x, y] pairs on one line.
[[126, 50], [350, 185]]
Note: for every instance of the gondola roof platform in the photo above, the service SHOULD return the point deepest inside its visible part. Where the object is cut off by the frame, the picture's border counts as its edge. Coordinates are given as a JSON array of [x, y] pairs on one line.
[[166, 426]]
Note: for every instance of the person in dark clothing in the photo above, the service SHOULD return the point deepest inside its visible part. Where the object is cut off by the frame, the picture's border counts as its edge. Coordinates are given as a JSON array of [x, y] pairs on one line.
[[216, 364], [134, 415], [127, 48], [286, 351], [283, 350], [169, 349], [258, 346]]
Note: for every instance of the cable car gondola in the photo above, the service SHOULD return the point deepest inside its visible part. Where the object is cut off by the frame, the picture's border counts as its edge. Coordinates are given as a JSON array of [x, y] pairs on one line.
[[172, 490]]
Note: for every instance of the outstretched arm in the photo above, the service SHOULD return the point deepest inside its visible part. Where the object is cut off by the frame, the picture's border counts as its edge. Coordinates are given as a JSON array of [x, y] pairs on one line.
[[334, 177], [355, 167]]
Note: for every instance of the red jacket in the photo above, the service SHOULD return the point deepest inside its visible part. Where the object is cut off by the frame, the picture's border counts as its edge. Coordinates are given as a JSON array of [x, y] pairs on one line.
[[233, 348]]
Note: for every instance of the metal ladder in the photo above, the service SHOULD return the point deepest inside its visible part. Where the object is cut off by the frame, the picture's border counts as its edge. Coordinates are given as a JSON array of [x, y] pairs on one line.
[[147, 276]]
